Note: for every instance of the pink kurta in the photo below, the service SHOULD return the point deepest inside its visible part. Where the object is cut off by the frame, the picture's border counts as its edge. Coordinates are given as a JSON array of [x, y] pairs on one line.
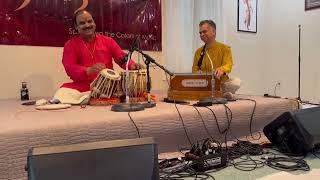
[[78, 55]]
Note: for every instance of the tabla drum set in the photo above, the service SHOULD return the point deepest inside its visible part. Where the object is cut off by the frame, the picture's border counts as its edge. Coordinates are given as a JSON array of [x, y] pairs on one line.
[[109, 87]]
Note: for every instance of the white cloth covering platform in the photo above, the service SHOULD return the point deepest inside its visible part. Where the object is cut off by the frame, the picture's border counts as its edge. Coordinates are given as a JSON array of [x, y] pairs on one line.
[[23, 127]]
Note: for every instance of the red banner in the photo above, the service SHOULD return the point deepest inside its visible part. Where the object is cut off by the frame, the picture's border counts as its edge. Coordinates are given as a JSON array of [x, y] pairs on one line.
[[49, 22]]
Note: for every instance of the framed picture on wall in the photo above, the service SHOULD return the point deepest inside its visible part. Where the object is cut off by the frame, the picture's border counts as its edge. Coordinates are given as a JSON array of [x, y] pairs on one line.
[[311, 4], [247, 15]]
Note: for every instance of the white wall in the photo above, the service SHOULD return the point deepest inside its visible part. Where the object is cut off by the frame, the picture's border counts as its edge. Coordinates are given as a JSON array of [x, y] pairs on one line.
[[271, 55], [42, 69], [40, 66], [248, 49], [261, 59], [282, 18]]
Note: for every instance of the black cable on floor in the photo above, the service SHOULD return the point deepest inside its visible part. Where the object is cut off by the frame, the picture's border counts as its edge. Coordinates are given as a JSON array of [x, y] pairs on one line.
[[183, 125], [316, 151], [204, 124], [188, 173], [229, 120], [226, 111], [134, 124], [251, 118], [217, 123], [287, 163], [247, 164], [244, 148]]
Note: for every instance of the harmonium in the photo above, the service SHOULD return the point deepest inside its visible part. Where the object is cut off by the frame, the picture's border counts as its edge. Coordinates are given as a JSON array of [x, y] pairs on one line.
[[193, 86]]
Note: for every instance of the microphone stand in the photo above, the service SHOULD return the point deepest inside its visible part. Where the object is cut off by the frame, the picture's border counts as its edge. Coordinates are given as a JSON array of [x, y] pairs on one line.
[[211, 100], [299, 59], [148, 58], [147, 61], [299, 73], [212, 77], [127, 106], [149, 104]]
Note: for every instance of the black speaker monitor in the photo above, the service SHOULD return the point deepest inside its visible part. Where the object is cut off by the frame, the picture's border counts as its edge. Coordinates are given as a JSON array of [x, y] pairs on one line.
[[119, 159], [295, 131]]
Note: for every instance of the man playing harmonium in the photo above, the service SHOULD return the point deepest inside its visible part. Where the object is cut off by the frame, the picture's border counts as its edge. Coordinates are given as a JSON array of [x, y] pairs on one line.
[[85, 55], [215, 56]]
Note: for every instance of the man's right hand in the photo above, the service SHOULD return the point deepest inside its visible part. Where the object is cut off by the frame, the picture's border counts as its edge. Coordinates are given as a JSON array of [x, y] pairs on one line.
[[218, 72], [95, 68]]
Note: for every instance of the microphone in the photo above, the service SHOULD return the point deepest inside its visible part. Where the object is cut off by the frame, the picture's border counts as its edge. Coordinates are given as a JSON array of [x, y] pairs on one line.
[[126, 57], [203, 51], [127, 106]]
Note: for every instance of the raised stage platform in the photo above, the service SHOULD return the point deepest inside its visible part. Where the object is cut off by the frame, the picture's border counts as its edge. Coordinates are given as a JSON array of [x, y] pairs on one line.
[[23, 127]]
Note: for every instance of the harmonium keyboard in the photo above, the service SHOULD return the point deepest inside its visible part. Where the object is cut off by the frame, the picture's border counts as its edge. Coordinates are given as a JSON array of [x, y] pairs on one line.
[[193, 86]]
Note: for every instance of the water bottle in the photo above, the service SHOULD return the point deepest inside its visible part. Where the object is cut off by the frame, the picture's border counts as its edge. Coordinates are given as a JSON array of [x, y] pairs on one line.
[[24, 92]]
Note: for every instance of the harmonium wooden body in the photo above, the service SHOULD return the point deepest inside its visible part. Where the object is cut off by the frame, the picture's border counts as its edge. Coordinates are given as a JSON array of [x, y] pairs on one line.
[[193, 86]]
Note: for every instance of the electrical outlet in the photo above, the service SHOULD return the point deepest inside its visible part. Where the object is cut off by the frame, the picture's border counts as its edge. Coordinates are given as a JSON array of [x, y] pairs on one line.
[[277, 88]]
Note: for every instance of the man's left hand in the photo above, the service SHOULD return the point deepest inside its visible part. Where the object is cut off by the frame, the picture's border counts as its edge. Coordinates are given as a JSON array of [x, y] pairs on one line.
[[137, 66], [218, 73]]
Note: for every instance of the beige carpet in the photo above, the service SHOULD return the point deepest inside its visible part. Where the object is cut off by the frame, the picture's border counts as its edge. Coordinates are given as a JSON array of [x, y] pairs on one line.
[[310, 175]]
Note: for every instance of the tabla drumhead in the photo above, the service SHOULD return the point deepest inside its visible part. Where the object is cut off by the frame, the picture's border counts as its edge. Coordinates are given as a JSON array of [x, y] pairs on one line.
[[111, 74]]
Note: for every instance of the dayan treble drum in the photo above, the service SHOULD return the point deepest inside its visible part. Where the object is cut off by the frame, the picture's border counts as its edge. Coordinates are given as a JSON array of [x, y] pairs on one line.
[[137, 82], [106, 84]]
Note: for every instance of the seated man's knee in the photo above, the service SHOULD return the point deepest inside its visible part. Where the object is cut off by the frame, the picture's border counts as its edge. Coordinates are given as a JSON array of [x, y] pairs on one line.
[[231, 85]]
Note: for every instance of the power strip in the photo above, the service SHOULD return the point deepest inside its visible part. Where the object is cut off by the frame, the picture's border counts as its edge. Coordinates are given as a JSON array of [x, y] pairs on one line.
[[211, 161]]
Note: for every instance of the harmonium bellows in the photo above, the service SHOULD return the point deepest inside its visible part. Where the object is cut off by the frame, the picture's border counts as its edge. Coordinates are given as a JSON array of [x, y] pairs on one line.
[[193, 86]]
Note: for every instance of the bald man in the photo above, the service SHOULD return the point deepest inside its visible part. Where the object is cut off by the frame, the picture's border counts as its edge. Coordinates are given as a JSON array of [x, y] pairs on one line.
[[86, 54]]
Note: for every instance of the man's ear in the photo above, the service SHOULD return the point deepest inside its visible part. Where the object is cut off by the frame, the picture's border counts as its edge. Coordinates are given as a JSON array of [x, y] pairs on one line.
[[75, 27], [74, 22]]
